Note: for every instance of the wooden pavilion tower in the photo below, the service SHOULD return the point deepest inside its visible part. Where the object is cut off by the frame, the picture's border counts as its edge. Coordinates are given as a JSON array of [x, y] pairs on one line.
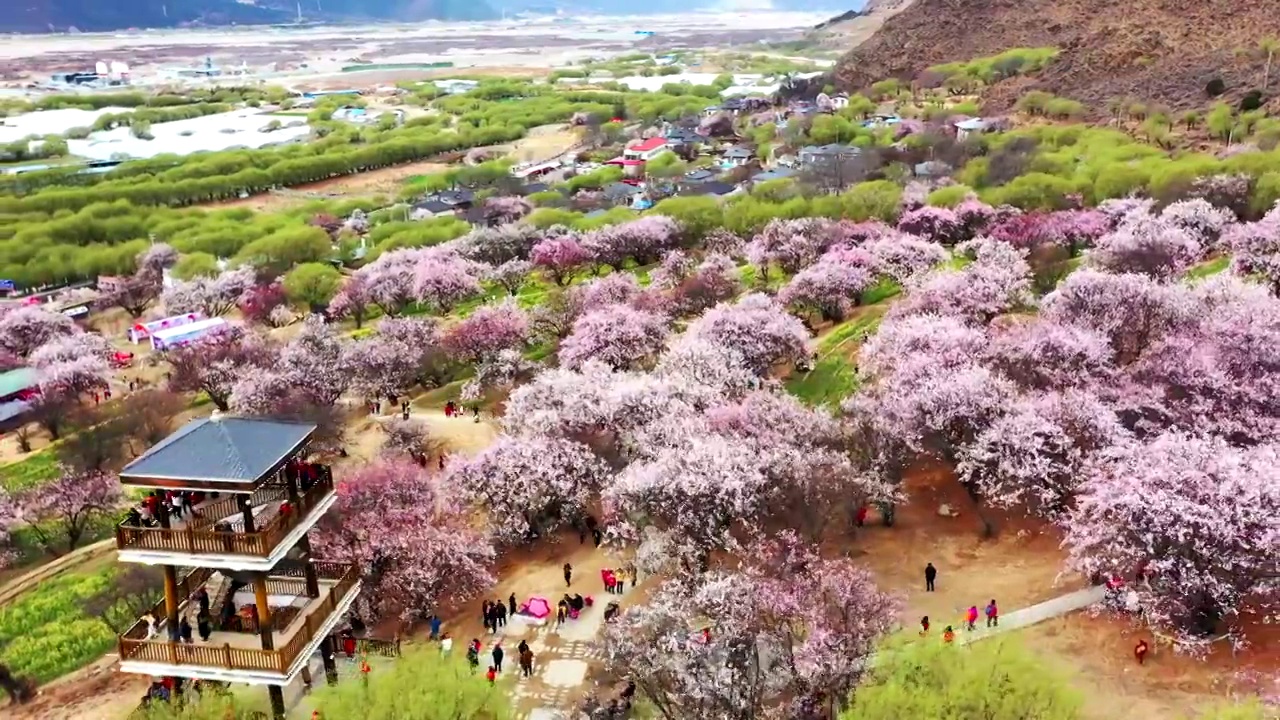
[[269, 605]]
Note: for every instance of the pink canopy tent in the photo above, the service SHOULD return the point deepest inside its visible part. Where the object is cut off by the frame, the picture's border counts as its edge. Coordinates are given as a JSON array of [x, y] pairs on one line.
[[537, 607]]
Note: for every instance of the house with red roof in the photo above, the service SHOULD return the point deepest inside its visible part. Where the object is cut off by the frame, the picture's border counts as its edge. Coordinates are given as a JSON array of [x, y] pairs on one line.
[[646, 149]]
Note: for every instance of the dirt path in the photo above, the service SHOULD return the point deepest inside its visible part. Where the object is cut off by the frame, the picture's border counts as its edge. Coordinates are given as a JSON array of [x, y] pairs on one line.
[[384, 181], [541, 143]]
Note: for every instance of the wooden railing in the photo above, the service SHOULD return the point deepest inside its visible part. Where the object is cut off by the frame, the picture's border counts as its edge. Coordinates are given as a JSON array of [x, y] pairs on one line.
[[194, 539], [229, 507], [138, 649], [187, 587]]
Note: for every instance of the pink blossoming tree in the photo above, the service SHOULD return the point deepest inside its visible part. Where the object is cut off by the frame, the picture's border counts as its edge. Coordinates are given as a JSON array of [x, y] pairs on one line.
[[1198, 515], [411, 537], [530, 486], [214, 363], [560, 257], [757, 329], [488, 331], [212, 296], [788, 635], [616, 335]]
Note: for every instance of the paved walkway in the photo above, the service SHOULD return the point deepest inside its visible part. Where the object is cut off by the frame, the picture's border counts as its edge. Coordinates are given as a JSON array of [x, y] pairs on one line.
[[1047, 610], [562, 666]]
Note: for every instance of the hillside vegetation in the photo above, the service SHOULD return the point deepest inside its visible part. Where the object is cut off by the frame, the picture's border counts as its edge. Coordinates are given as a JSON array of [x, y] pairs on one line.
[[1155, 50]]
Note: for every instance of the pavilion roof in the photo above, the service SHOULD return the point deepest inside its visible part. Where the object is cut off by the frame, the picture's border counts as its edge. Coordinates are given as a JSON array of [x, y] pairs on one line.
[[219, 452]]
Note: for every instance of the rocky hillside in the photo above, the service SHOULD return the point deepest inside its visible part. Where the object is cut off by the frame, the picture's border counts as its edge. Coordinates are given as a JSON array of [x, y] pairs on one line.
[[41, 16], [1153, 50], [855, 26]]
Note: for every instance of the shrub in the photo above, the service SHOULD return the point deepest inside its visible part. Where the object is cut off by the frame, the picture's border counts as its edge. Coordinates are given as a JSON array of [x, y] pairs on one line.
[[1251, 101], [1215, 87]]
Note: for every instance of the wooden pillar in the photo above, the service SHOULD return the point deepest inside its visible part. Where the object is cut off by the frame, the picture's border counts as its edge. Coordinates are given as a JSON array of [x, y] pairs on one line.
[[313, 581], [326, 657], [246, 512], [171, 599], [264, 611], [277, 701]]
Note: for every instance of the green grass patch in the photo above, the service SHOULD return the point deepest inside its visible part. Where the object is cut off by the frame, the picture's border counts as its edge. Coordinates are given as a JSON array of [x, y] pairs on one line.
[[835, 377], [1209, 268], [45, 633], [830, 381], [881, 291], [31, 472]]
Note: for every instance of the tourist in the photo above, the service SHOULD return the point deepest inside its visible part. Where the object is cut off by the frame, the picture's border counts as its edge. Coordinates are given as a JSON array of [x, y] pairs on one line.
[[184, 630], [500, 613], [561, 609], [948, 635], [202, 597], [632, 573], [448, 409], [861, 516], [568, 574], [597, 536], [1140, 651], [203, 626], [446, 644], [404, 411], [971, 617], [150, 620], [526, 662], [492, 675], [924, 626], [930, 575], [607, 576], [497, 656], [442, 461], [435, 626], [485, 615], [512, 604], [473, 655], [993, 614]]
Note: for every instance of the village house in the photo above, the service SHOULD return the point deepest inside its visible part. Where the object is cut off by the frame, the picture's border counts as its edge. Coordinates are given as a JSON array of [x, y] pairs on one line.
[[646, 149], [737, 156], [781, 173], [964, 128], [442, 203], [811, 154], [714, 188]]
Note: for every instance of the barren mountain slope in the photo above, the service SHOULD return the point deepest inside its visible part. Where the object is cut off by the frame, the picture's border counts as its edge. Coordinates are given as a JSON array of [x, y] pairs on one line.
[[849, 31], [1162, 50]]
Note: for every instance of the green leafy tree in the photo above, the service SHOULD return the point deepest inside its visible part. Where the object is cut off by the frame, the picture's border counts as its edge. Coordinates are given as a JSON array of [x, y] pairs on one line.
[[314, 284], [193, 265], [993, 680], [1221, 121]]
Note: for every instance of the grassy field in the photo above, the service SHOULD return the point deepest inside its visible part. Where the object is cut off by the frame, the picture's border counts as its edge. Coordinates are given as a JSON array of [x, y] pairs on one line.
[[46, 633], [30, 472], [835, 375]]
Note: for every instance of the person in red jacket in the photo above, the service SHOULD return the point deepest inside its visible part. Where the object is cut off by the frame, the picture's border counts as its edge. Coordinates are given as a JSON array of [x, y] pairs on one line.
[[492, 674], [1140, 651]]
